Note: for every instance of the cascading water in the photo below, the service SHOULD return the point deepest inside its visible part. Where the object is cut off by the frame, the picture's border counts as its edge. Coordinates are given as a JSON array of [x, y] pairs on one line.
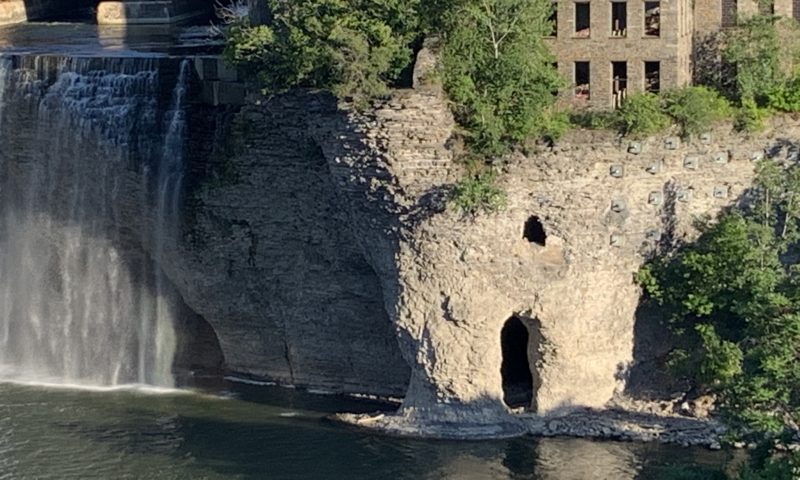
[[79, 300]]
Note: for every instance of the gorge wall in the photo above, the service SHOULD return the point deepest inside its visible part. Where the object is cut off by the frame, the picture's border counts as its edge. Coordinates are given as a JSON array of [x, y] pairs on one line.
[[320, 194], [317, 244]]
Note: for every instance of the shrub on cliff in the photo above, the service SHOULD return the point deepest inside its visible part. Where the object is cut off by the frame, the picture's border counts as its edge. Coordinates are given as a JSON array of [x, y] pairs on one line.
[[478, 192], [355, 48], [695, 109], [765, 51], [750, 117], [735, 302], [785, 97], [642, 114], [498, 72]]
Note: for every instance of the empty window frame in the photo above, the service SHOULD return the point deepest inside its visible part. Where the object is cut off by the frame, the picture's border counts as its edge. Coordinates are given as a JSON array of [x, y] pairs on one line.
[[582, 19], [553, 19], [619, 19], [619, 82], [652, 77], [554, 92], [582, 81], [729, 12], [652, 19]]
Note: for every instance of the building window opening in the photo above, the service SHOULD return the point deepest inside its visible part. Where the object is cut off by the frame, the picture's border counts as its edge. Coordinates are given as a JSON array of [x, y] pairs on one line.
[[652, 77], [534, 231], [619, 19], [553, 19], [515, 369], [619, 82], [582, 17], [582, 81], [652, 19]]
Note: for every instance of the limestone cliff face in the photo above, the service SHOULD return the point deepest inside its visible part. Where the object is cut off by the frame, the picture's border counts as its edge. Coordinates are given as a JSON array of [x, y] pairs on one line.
[[270, 262], [335, 226], [450, 284]]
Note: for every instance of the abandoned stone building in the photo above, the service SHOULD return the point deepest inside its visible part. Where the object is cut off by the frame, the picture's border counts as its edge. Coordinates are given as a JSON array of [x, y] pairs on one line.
[[608, 49]]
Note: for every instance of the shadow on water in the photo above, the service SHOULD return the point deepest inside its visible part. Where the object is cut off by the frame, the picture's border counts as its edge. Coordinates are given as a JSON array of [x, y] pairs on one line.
[[285, 436]]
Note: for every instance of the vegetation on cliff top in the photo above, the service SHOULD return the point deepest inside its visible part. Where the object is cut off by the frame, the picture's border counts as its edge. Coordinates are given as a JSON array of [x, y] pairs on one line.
[[498, 73], [354, 48], [496, 69]]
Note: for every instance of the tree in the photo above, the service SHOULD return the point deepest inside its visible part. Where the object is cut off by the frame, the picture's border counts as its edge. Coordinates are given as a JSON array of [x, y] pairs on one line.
[[734, 300], [695, 109], [498, 72], [355, 48], [642, 114], [764, 51]]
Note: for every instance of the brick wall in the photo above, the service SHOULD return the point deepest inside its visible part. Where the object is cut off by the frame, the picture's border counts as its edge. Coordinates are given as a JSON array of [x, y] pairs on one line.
[[672, 48]]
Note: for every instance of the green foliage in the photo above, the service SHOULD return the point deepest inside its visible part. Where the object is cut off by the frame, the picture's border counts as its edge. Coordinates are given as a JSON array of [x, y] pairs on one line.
[[767, 468], [754, 47], [477, 193], [785, 96], [595, 119], [355, 48], [736, 306], [498, 72], [683, 472], [642, 114], [721, 359], [554, 124], [774, 468], [695, 109], [765, 51], [750, 117]]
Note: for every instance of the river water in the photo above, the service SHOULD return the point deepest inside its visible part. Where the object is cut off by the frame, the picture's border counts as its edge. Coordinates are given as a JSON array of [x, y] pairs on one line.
[[248, 432]]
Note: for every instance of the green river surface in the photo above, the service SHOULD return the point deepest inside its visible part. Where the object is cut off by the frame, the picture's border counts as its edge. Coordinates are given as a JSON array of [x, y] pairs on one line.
[[249, 432]]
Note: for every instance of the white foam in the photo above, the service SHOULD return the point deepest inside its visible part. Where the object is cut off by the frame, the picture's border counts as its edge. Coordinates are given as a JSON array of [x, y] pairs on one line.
[[131, 387]]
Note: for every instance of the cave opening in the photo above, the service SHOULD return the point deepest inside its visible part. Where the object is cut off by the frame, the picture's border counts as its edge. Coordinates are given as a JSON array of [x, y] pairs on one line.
[[534, 231], [516, 369], [199, 361]]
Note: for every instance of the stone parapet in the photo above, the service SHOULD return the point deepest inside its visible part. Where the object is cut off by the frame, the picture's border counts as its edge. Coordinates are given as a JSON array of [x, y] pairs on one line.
[[127, 12], [12, 11]]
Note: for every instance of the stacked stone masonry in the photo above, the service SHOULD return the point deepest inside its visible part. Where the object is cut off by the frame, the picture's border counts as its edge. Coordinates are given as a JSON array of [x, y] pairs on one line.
[[636, 45]]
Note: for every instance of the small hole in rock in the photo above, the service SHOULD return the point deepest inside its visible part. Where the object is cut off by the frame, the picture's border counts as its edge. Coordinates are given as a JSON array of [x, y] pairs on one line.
[[534, 231]]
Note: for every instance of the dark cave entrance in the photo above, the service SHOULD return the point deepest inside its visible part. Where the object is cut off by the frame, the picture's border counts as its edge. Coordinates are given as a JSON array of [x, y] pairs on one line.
[[516, 366], [199, 361], [534, 231]]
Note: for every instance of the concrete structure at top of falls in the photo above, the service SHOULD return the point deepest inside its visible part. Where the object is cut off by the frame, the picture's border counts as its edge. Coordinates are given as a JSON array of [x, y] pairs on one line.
[[111, 12], [77, 304]]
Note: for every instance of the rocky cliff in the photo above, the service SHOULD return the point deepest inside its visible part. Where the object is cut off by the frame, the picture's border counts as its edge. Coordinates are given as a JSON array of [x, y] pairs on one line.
[[582, 217], [317, 244]]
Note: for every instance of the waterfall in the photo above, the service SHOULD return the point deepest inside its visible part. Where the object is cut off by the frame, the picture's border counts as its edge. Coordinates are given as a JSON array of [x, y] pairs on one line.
[[91, 169], [5, 73]]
